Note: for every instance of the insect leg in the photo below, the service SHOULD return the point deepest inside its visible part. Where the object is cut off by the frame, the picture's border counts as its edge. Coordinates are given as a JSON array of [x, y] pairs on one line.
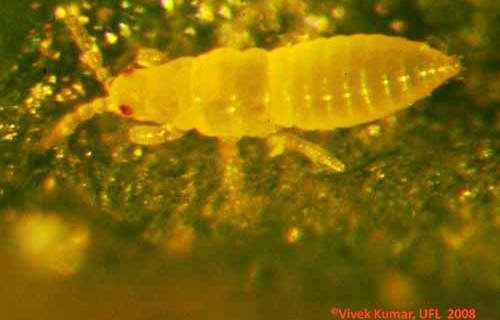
[[91, 55], [232, 180], [153, 135], [280, 142], [149, 57], [68, 123]]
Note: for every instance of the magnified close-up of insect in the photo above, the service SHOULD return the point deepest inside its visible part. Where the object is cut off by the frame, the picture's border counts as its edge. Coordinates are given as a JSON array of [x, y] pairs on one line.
[[249, 159], [228, 94]]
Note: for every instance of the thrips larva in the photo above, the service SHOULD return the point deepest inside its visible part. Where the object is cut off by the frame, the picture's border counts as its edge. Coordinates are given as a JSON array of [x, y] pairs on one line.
[[225, 93]]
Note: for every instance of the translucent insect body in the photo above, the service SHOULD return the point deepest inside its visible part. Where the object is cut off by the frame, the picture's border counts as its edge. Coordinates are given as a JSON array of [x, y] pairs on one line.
[[225, 93]]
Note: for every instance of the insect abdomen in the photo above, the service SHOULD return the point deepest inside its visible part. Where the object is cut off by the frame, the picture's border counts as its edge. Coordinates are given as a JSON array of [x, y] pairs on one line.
[[347, 80]]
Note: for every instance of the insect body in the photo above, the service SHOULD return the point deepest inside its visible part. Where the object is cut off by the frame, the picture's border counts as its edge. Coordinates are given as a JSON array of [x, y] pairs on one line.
[[317, 85], [229, 94]]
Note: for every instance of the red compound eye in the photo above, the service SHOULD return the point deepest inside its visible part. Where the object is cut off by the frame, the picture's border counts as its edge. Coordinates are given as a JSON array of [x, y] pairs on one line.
[[128, 71], [126, 110]]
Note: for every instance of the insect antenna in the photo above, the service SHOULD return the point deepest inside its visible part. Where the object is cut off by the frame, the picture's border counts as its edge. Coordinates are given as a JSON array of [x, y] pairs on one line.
[[90, 56], [70, 121]]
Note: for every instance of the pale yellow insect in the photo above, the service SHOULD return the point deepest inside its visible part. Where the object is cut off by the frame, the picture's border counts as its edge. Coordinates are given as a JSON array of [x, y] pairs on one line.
[[229, 94]]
